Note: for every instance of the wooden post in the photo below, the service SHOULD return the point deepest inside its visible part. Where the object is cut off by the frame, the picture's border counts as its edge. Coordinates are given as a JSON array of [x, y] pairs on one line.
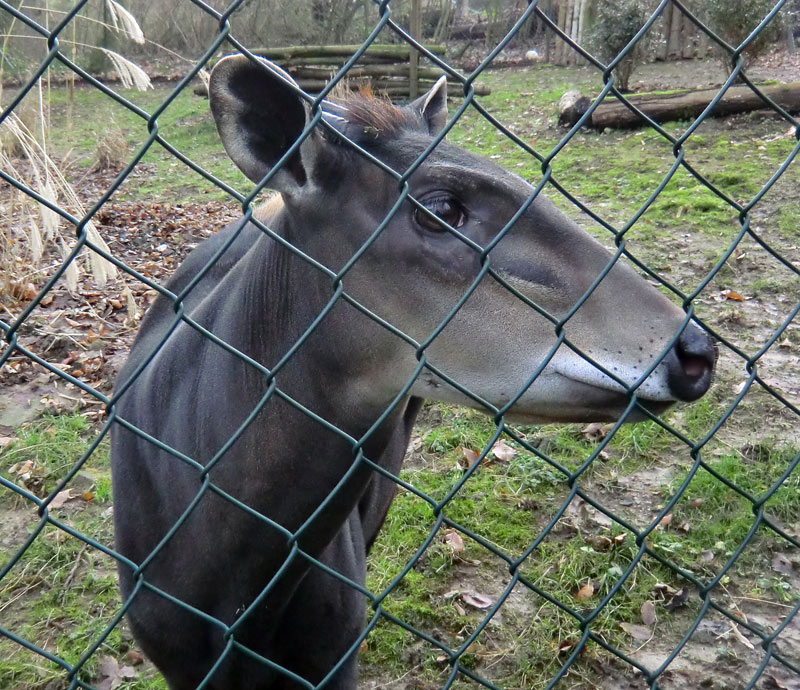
[[666, 24], [674, 48], [413, 58], [561, 46], [548, 10]]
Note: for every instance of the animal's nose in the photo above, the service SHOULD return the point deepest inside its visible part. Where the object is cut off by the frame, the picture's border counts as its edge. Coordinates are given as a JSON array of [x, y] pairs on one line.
[[691, 363]]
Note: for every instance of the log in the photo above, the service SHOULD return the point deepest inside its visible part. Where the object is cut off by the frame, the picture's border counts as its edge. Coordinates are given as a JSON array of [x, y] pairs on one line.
[[397, 70], [571, 106], [399, 50], [686, 105], [394, 87], [453, 90], [466, 31], [339, 61]]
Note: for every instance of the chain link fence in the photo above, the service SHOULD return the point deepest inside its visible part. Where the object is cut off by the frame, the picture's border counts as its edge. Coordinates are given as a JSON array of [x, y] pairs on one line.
[[581, 645]]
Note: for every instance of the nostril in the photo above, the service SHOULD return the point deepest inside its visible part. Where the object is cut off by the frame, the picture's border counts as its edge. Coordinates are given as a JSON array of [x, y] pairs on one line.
[[693, 366], [695, 354]]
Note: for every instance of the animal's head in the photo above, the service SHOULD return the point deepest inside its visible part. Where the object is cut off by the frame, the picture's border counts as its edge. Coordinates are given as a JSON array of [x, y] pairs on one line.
[[545, 282]]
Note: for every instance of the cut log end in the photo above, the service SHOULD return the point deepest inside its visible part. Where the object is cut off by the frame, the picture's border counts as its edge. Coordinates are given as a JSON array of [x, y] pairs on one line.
[[571, 107]]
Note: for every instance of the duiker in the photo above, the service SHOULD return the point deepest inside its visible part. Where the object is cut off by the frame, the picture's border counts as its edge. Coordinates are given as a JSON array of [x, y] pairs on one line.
[[244, 457]]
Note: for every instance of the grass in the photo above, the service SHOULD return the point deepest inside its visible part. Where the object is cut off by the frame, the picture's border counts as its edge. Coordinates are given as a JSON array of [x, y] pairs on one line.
[[507, 505], [185, 123], [61, 594]]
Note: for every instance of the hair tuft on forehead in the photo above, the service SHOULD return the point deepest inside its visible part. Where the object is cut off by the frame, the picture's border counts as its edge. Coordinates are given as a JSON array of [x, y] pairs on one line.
[[369, 116], [379, 114]]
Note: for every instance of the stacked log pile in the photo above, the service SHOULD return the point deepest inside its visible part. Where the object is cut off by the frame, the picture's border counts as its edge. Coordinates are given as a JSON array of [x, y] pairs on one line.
[[382, 68]]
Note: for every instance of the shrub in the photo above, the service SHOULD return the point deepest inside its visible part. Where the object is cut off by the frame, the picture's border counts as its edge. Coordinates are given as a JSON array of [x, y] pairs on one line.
[[611, 26], [733, 20]]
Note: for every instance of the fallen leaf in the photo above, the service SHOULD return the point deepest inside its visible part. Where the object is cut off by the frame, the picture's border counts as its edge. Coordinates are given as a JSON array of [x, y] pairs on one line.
[[528, 504], [665, 590], [678, 600], [477, 601], [696, 502], [134, 657], [6, 440], [598, 543], [733, 296], [596, 431], [109, 674], [772, 683], [781, 564], [637, 632], [453, 539], [467, 457], [564, 647], [585, 592], [666, 521], [22, 468], [62, 497], [648, 614], [129, 673], [502, 451], [88, 496], [619, 540]]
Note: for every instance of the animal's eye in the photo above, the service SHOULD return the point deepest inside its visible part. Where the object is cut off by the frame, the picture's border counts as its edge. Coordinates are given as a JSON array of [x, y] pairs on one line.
[[445, 207]]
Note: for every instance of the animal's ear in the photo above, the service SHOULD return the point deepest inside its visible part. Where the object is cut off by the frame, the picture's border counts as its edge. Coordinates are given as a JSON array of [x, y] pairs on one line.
[[259, 115], [432, 106]]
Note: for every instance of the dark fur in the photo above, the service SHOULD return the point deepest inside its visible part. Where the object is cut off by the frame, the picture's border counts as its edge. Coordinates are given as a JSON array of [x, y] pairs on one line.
[[227, 557]]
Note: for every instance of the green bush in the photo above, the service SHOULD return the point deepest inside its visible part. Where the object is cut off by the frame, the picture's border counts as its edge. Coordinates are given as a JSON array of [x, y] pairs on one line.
[[734, 20], [611, 26]]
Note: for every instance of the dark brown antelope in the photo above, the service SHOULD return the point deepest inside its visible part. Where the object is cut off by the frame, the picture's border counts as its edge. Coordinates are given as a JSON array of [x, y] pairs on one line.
[[228, 558]]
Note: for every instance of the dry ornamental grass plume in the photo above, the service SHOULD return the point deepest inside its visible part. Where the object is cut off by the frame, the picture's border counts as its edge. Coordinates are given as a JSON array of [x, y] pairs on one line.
[[124, 21], [130, 74], [23, 155], [45, 178]]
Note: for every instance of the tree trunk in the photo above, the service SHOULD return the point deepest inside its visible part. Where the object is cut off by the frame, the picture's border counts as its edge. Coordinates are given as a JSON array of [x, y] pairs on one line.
[[561, 46], [674, 47], [687, 105], [583, 6], [666, 18], [413, 58], [548, 39], [689, 35], [567, 27], [98, 60], [445, 17]]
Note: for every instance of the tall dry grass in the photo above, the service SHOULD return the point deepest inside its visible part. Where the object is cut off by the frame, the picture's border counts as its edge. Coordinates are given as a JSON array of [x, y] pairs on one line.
[[33, 227]]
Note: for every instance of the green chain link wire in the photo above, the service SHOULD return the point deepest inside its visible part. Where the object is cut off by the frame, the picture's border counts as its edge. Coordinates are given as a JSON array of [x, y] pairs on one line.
[[384, 22]]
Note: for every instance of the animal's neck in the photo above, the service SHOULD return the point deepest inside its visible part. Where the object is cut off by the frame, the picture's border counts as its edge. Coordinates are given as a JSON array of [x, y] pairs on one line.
[[284, 293]]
